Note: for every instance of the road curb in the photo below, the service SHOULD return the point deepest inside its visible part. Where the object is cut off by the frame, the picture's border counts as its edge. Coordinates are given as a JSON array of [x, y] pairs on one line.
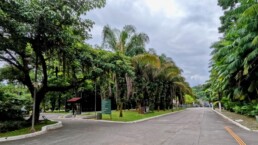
[[234, 122], [44, 129], [141, 120]]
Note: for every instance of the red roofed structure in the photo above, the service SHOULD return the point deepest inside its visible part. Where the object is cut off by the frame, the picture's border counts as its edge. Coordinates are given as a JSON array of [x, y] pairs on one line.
[[73, 100], [75, 105]]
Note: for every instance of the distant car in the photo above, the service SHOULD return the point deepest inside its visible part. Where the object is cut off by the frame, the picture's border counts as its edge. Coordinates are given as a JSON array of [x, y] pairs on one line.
[[206, 105], [196, 105]]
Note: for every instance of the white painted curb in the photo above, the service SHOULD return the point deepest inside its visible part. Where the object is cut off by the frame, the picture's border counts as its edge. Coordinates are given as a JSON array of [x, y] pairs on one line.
[[44, 129], [234, 122]]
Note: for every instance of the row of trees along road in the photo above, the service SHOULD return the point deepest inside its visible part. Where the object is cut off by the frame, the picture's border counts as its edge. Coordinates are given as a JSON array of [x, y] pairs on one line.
[[233, 78], [49, 36]]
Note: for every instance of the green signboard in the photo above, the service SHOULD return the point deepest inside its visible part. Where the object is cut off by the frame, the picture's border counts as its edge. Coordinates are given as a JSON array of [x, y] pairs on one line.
[[106, 106]]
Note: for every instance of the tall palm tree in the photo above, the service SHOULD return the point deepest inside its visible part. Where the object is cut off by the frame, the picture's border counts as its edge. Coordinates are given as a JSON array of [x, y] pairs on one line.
[[126, 41], [173, 82], [145, 66], [158, 78]]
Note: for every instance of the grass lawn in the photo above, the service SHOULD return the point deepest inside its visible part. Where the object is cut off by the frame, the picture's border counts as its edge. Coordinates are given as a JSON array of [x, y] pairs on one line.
[[26, 130], [132, 115]]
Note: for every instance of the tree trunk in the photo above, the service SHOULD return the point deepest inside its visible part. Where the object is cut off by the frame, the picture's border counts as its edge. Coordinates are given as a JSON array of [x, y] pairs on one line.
[[121, 110], [172, 105], [39, 98], [53, 102], [59, 101], [37, 110], [172, 97], [139, 107]]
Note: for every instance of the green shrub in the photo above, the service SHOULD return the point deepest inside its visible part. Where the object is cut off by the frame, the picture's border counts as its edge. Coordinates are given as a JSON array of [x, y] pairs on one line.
[[250, 109], [246, 109], [237, 109], [11, 104], [10, 109], [229, 105], [254, 112], [7, 126]]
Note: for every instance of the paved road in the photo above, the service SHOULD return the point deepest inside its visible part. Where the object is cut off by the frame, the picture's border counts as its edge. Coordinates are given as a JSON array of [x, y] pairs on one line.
[[197, 126]]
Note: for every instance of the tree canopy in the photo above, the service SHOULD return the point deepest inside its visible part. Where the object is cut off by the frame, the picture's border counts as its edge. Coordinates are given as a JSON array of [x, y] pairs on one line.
[[43, 46], [44, 35], [234, 57]]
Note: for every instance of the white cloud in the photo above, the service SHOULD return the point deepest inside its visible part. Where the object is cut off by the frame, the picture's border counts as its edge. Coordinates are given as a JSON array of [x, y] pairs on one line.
[[198, 79]]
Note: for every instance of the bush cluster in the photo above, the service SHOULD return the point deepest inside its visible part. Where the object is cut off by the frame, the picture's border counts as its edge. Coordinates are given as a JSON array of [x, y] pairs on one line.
[[10, 108], [248, 109], [14, 101], [6, 126]]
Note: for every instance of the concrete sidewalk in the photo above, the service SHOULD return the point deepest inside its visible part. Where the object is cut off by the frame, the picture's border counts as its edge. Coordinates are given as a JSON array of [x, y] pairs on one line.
[[245, 122]]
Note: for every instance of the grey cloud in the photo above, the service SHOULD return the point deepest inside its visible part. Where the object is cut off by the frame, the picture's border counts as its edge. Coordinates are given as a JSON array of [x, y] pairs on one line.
[[186, 39]]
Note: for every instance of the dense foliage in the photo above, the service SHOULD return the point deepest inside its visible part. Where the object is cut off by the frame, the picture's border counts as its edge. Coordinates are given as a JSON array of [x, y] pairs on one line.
[[189, 99], [234, 63], [201, 92], [157, 81], [44, 36], [43, 45], [14, 100]]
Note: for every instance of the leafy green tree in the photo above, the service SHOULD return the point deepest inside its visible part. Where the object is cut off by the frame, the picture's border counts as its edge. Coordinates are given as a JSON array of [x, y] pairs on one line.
[[127, 42], [201, 92], [33, 33], [156, 77], [189, 99], [234, 58]]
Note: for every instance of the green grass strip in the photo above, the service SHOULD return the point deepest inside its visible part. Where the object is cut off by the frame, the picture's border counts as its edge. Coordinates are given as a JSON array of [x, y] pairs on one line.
[[27, 129], [132, 115]]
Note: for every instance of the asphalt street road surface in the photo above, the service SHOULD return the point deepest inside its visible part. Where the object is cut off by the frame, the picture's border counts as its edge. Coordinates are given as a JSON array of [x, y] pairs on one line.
[[197, 126]]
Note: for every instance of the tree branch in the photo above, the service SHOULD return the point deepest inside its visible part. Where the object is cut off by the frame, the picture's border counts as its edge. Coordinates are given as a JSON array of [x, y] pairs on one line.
[[10, 62], [14, 59], [44, 68]]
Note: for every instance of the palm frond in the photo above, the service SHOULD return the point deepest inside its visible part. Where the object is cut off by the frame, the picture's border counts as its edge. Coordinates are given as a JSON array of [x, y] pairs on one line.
[[109, 38], [146, 60], [255, 41], [251, 11]]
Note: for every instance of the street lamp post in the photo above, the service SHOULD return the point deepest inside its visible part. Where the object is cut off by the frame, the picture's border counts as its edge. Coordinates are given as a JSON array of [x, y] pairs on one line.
[[34, 108], [96, 98], [34, 97]]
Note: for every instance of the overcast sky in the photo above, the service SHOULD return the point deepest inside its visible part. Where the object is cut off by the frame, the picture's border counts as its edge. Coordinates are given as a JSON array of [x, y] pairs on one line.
[[182, 29]]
